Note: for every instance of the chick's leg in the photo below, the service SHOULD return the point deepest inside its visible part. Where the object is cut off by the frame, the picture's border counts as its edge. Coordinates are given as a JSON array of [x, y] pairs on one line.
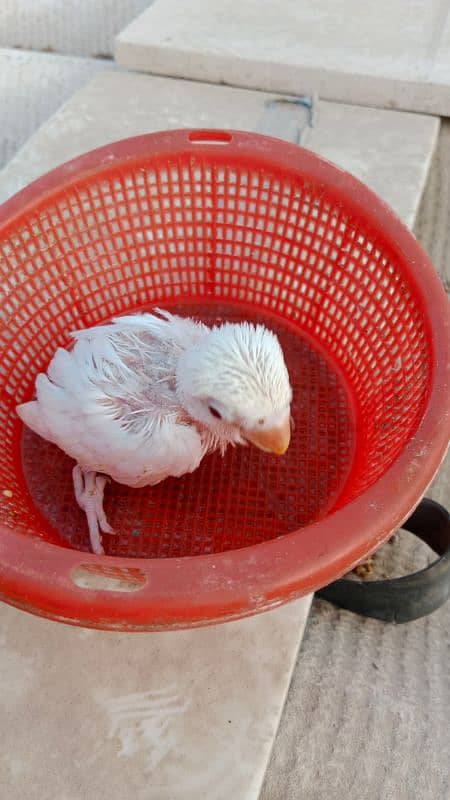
[[89, 488]]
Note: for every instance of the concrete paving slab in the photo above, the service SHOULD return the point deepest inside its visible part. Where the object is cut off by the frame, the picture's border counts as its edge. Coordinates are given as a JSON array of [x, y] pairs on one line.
[[392, 54], [390, 151], [168, 716]]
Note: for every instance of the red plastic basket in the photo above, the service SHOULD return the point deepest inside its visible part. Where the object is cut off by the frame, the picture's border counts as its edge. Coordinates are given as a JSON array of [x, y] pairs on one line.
[[221, 225]]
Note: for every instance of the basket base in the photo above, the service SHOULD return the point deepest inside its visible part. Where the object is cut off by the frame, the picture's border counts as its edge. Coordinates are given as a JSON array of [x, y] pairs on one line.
[[242, 499]]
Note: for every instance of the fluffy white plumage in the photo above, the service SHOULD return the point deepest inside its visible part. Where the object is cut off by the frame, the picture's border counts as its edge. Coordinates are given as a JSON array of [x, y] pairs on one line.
[[146, 397]]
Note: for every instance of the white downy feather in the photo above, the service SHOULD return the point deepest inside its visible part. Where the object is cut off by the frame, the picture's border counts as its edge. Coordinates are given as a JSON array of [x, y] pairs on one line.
[[110, 402]]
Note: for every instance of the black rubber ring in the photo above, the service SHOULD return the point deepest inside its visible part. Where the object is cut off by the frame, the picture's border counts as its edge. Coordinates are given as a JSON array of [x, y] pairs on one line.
[[411, 596]]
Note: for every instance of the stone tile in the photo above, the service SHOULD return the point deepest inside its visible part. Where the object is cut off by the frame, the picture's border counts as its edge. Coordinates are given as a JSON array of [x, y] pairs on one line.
[[390, 151], [164, 716], [390, 56]]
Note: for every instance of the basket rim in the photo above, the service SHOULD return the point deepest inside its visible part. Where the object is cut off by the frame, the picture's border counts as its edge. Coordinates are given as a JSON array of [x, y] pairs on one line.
[[35, 575]]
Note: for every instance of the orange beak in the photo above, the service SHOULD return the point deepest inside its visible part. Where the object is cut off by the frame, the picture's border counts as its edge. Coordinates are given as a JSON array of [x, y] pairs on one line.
[[272, 440]]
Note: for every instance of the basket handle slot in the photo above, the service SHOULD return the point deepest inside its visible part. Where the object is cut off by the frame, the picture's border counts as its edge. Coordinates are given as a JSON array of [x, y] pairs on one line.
[[104, 579], [210, 137]]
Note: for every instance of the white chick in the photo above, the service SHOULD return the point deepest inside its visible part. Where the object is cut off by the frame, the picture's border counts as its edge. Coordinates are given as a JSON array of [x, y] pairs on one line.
[[148, 396]]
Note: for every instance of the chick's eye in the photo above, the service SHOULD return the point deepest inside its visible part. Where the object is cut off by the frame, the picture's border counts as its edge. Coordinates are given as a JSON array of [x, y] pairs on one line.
[[214, 412]]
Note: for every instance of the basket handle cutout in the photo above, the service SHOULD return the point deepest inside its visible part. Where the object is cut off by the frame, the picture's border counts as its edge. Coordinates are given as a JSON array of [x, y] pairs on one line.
[[104, 579], [210, 137]]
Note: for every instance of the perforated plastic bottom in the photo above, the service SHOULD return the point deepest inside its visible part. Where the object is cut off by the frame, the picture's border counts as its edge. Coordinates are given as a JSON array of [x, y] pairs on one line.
[[242, 499]]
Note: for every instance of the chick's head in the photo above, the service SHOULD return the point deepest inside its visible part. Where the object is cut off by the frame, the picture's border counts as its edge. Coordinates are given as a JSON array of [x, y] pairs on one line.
[[235, 382]]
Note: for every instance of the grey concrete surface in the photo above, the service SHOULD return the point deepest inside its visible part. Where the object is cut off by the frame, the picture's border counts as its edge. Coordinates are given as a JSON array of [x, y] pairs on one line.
[[32, 87], [75, 27]]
